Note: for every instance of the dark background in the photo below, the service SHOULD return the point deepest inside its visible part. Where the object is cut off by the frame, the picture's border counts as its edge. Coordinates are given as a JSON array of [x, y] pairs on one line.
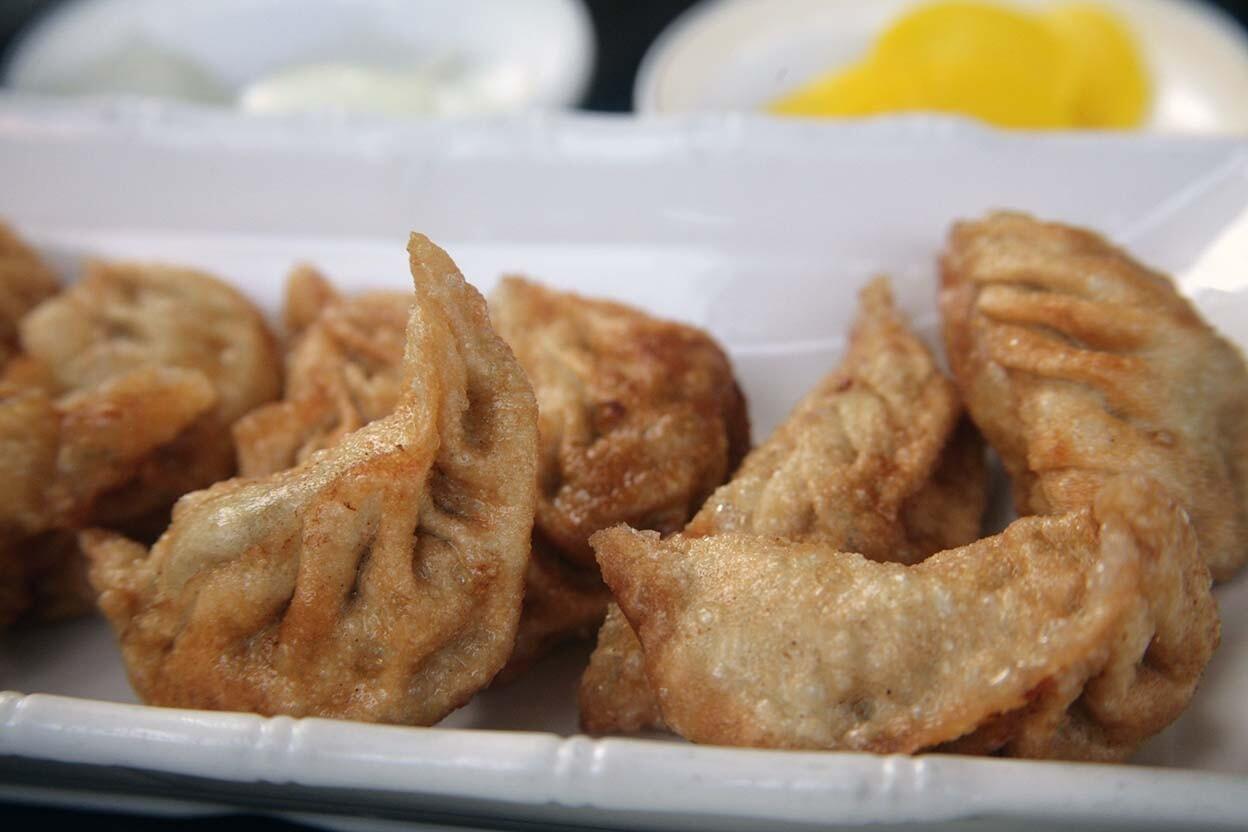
[[625, 28]]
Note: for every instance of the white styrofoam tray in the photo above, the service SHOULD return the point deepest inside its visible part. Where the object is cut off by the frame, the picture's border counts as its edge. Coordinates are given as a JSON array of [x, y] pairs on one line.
[[762, 232]]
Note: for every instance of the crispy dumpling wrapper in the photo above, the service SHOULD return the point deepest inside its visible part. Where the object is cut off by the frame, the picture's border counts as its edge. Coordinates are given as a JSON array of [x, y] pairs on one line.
[[641, 419], [1079, 364], [343, 370], [381, 579], [757, 641], [119, 403], [25, 282], [308, 294], [855, 459], [124, 318], [1074, 637], [875, 459], [614, 695]]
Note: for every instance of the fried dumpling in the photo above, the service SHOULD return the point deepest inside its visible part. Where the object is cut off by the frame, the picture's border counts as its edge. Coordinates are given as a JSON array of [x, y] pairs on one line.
[[308, 294], [856, 457], [380, 579], [128, 317], [759, 641], [614, 695], [343, 370], [876, 459], [25, 282], [640, 420], [119, 403], [65, 455], [1078, 364]]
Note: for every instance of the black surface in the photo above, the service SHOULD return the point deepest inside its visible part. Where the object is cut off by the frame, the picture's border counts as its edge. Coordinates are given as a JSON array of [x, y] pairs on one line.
[[16, 14], [33, 817], [624, 30]]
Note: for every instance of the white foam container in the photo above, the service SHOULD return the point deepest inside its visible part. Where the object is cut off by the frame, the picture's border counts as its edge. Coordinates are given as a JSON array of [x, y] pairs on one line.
[[761, 231]]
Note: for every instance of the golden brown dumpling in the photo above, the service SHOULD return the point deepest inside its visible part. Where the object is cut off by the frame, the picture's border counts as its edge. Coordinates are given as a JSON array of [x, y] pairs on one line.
[[1079, 364], [25, 282], [343, 371], [126, 317], [876, 459], [640, 420], [119, 403], [1062, 630], [381, 578]]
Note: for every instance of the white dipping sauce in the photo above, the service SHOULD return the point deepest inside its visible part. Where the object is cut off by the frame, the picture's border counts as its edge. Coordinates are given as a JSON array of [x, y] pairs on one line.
[[437, 89]]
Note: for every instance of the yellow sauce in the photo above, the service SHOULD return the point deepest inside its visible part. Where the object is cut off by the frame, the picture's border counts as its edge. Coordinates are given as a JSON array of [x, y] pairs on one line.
[[1071, 65]]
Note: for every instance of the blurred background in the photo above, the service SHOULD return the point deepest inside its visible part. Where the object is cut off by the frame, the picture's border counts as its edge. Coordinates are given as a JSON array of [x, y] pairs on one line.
[[1177, 65], [623, 30]]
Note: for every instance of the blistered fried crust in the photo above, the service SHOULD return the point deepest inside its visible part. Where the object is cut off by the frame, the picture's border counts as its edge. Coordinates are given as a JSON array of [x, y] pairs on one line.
[[756, 641], [130, 317], [614, 695], [380, 579], [857, 450], [60, 457], [119, 403], [947, 512], [25, 282], [342, 372], [122, 316], [640, 420], [1078, 363], [873, 460], [308, 294]]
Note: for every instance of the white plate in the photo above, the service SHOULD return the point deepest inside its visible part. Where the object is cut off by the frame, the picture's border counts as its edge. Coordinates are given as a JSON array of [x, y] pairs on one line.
[[547, 46], [740, 54], [761, 230]]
